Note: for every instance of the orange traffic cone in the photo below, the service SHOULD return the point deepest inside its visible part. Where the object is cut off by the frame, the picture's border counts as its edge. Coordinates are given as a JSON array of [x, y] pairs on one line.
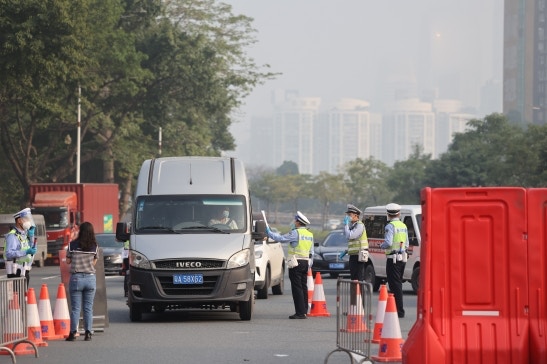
[[318, 305], [380, 312], [391, 341], [356, 317], [33, 320], [310, 287], [46, 318], [61, 317]]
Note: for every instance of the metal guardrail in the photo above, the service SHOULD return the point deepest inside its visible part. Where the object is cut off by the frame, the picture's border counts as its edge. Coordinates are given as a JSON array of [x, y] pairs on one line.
[[353, 319], [13, 312]]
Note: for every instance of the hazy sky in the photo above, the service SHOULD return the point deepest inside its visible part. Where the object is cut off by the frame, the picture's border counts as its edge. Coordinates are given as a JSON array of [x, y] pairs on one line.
[[353, 48]]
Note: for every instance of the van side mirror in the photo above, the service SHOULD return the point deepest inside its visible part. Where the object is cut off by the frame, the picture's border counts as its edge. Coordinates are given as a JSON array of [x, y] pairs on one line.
[[122, 231], [259, 232]]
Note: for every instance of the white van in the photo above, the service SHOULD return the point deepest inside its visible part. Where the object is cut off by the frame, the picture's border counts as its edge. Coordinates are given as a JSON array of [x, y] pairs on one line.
[[181, 254], [375, 220], [6, 223]]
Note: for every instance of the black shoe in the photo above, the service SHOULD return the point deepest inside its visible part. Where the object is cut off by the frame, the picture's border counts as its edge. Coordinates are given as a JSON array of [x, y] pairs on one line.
[[87, 336], [70, 337], [401, 315], [298, 317]]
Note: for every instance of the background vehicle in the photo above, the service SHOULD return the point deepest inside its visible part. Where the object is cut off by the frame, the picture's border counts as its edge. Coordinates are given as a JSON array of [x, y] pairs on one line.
[[112, 252], [270, 266], [177, 260], [66, 205], [7, 221], [326, 258], [332, 224], [375, 220]]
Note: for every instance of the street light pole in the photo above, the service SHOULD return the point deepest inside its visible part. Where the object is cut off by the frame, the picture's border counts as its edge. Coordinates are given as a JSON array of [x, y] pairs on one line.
[[78, 137]]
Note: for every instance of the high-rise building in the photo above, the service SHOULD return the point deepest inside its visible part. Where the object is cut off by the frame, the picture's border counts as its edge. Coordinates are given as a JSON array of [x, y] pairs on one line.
[[406, 124], [293, 131], [448, 120], [525, 61], [345, 132]]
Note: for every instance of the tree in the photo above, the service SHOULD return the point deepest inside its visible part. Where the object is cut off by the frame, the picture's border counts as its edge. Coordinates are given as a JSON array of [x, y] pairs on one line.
[[329, 188], [492, 153], [140, 64], [366, 181], [287, 168]]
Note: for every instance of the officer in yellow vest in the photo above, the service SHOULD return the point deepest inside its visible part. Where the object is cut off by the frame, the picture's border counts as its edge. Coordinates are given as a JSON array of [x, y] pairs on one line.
[[300, 241], [355, 232], [18, 247], [395, 245]]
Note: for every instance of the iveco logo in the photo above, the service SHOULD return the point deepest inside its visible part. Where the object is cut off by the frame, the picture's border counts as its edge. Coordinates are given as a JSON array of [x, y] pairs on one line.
[[188, 264]]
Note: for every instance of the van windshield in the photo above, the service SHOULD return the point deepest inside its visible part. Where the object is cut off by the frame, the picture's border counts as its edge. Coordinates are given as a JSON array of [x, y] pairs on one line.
[[179, 214]]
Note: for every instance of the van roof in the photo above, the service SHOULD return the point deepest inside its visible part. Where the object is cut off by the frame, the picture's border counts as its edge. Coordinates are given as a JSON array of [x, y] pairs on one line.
[[417, 209]]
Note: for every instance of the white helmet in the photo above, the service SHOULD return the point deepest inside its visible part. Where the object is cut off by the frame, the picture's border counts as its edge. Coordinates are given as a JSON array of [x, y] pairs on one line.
[[393, 209], [300, 217]]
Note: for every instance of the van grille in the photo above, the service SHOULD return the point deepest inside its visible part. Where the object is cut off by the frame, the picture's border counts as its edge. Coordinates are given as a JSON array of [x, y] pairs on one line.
[[188, 264], [207, 288]]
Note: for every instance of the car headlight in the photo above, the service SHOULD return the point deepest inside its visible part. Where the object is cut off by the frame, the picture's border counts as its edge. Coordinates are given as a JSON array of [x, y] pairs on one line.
[[239, 259], [317, 257], [138, 260], [258, 254]]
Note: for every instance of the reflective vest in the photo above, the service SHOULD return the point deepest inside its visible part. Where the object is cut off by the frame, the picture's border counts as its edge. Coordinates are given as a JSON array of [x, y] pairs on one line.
[[305, 243], [24, 246], [400, 234], [358, 243]]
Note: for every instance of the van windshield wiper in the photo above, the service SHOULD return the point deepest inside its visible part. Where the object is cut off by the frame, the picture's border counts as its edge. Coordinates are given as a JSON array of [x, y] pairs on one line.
[[201, 227], [158, 228]]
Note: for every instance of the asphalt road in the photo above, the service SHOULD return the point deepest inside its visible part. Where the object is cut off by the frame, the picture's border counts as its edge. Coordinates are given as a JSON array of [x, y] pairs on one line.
[[205, 336]]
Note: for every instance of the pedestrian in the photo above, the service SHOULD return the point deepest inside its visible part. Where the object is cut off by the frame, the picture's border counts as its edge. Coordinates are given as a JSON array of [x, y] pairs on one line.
[[300, 247], [355, 232], [19, 246], [395, 245], [82, 257]]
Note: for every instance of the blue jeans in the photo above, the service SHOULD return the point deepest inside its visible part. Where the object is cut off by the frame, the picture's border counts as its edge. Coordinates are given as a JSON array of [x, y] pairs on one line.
[[82, 293]]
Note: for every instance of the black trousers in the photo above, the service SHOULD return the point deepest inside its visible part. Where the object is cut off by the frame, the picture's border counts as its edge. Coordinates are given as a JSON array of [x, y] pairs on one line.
[[357, 273], [299, 286], [394, 272]]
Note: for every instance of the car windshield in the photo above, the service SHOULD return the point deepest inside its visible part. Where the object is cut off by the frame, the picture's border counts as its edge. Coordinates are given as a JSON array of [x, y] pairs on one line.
[[108, 241], [335, 239]]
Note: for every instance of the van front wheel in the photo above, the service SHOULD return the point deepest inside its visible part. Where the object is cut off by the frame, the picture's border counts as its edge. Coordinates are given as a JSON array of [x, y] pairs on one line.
[[246, 308]]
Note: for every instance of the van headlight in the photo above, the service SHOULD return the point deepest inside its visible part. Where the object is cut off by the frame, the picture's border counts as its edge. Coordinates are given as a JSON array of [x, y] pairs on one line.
[[239, 259], [138, 260]]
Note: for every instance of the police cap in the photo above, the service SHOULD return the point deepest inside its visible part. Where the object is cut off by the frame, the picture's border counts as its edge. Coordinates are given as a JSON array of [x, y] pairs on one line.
[[353, 209], [300, 217], [22, 213], [393, 209]]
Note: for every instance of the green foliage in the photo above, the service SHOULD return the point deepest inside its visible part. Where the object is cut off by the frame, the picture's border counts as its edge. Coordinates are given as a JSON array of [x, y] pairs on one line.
[[141, 65]]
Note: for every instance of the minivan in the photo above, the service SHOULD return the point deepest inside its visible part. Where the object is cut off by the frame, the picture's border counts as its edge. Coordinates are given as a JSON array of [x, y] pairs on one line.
[[375, 220]]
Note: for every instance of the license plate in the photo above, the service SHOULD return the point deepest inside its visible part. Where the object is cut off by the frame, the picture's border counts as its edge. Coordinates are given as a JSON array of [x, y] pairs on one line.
[[336, 265], [188, 279]]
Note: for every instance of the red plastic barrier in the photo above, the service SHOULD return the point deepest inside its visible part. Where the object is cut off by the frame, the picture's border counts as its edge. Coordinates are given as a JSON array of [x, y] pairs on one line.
[[537, 258], [473, 304]]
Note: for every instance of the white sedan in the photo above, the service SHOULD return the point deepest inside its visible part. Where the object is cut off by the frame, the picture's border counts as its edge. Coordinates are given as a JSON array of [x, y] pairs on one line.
[[270, 268]]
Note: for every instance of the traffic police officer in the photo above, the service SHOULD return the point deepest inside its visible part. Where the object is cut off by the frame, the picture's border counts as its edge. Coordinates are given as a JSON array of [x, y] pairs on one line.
[[355, 232], [19, 248], [300, 241], [395, 245]]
